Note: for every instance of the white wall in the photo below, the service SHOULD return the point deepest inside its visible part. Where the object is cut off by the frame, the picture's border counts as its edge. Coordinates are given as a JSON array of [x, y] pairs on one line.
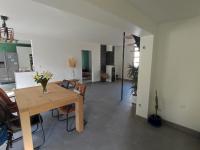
[[23, 57], [118, 60], [90, 61], [52, 54], [176, 73], [128, 59], [144, 75]]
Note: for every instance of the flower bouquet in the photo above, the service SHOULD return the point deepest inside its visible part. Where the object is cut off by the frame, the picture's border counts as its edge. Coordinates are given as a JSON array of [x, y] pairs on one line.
[[43, 79]]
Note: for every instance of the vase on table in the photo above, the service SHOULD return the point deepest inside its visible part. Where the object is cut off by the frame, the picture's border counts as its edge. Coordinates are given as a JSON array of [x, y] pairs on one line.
[[44, 86], [43, 79]]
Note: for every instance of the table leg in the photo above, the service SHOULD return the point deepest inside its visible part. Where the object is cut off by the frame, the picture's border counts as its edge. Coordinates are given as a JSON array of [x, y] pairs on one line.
[[79, 114], [26, 130]]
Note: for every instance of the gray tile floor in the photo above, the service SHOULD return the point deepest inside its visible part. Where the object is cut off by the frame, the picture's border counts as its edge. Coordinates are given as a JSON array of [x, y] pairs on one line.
[[112, 126]]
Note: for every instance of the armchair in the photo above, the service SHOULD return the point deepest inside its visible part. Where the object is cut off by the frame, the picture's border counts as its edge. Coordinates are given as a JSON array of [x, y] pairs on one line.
[[12, 123], [12, 106]]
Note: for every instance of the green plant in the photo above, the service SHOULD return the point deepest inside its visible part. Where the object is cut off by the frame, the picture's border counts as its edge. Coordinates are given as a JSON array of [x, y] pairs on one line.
[[154, 119], [133, 75], [43, 79]]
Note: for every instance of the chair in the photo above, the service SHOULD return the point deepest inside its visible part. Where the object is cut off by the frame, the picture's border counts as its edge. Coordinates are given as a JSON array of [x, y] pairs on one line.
[[67, 84], [11, 105], [64, 84], [12, 123], [68, 109]]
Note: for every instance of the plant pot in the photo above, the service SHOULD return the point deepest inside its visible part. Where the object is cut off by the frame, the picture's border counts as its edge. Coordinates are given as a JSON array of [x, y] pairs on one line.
[[155, 120], [104, 76]]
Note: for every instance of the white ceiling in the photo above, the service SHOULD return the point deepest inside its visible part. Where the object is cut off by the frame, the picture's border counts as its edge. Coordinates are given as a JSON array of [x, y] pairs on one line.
[[115, 13], [168, 10], [29, 17]]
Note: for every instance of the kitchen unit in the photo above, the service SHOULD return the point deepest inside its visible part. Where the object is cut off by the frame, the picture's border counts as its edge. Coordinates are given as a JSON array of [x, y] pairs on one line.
[[8, 65]]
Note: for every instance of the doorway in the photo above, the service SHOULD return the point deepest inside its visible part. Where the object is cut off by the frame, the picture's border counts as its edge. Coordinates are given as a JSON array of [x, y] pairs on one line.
[[86, 66]]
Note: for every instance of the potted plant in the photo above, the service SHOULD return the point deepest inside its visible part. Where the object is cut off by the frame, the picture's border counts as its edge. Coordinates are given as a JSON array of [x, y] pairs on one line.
[[104, 76], [133, 75], [43, 79], [154, 119]]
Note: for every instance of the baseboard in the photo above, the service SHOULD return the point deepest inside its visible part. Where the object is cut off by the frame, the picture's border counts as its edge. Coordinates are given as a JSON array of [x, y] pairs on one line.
[[141, 118], [95, 81], [124, 79], [175, 126], [182, 128]]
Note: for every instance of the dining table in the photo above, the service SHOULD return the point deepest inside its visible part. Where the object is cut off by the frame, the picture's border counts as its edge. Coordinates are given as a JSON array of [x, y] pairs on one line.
[[32, 101]]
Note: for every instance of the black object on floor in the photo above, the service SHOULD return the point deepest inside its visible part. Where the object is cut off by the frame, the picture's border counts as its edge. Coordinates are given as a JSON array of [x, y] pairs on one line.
[[155, 120]]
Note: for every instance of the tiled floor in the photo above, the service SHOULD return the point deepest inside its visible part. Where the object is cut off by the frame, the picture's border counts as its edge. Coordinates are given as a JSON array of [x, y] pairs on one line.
[[112, 125]]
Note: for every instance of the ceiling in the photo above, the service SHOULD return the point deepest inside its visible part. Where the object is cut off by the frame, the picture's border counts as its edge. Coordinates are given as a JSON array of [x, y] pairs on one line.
[[32, 18], [168, 10]]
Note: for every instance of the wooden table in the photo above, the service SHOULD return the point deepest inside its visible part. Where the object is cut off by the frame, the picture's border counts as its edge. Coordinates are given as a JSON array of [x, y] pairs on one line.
[[31, 101]]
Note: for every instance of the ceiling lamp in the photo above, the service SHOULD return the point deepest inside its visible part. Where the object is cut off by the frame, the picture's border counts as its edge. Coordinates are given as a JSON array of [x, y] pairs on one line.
[[6, 34]]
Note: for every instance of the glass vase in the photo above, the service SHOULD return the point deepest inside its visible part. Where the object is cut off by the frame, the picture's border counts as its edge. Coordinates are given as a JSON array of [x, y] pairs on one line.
[[44, 86]]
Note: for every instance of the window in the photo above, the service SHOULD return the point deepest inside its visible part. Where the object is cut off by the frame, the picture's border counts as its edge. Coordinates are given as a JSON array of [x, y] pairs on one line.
[[136, 57]]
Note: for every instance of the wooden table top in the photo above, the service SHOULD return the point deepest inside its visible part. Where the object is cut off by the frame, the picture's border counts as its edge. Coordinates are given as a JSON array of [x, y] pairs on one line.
[[34, 101]]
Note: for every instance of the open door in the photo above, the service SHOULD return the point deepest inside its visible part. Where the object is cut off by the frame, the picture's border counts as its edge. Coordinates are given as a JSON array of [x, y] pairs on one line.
[[86, 66]]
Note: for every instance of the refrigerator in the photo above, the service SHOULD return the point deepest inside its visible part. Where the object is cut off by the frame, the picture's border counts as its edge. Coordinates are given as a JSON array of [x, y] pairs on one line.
[[8, 66]]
